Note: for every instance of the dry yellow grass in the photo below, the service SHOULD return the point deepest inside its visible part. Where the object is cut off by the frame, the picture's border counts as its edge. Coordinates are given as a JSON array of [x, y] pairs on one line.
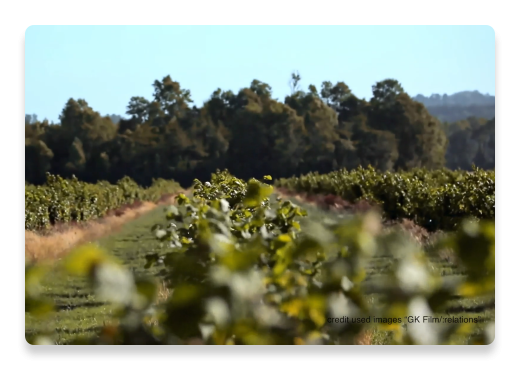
[[163, 293], [364, 338]]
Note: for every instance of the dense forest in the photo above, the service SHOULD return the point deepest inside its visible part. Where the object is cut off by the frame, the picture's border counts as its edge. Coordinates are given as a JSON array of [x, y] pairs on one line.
[[252, 134]]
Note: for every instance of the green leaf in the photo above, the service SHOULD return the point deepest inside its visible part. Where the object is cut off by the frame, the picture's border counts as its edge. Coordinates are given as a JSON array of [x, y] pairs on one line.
[[256, 193], [147, 290], [82, 260]]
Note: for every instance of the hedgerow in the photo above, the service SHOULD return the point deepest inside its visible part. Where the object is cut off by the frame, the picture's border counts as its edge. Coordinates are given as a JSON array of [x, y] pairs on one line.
[[438, 199], [60, 200]]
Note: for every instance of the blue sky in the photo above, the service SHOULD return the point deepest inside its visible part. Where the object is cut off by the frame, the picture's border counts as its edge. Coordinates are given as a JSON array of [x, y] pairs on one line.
[[107, 65]]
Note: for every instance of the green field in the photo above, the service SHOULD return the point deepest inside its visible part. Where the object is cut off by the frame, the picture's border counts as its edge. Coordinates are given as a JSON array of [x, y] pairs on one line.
[[79, 313]]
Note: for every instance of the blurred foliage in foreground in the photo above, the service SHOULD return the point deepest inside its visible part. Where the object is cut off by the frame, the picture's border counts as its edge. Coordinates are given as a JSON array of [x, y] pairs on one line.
[[438, 199], [245, 271], [60, 200]]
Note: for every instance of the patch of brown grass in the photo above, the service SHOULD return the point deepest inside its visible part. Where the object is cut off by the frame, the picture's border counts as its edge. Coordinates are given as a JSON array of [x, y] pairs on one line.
[[364, 338], [416, 232], [163, 293], [56, 242], [329, 202]]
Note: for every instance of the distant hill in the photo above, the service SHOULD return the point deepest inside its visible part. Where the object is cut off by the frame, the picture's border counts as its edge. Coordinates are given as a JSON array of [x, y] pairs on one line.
[[459, 106], [463, 98]]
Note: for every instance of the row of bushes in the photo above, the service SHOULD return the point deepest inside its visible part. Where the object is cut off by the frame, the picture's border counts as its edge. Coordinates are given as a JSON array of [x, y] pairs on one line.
[[437, 199], [62, 200]]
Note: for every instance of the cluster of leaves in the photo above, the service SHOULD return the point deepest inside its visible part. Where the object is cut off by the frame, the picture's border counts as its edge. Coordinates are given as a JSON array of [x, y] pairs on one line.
[[61, 200], [438, 199], [221, 186], [249, 273]]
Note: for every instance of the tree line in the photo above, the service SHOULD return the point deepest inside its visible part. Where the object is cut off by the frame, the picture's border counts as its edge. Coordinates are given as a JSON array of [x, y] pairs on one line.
[[252, 134]]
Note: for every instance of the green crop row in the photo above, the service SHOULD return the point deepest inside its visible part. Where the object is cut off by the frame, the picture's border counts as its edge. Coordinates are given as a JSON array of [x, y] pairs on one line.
[[437, 199], [61, 200], [245, 268]]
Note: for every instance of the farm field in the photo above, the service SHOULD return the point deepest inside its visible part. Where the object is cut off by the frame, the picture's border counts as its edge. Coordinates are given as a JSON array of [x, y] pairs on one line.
[[203, 186], [80, 315]]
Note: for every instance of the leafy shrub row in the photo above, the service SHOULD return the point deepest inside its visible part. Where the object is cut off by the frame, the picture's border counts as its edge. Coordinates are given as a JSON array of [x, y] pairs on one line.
[[437, 199], [61, 200]]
